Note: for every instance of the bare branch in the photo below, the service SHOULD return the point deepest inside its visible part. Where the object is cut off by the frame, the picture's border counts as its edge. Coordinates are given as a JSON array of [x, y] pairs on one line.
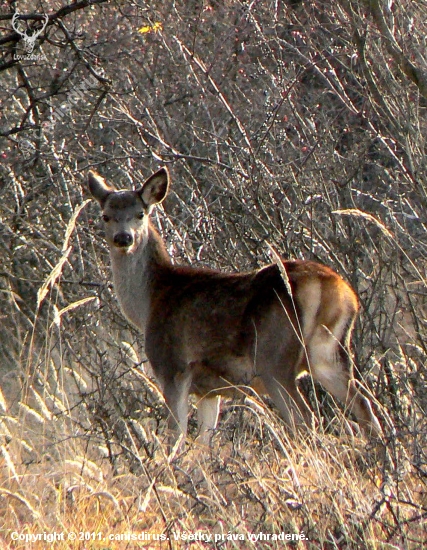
[[417, 75]]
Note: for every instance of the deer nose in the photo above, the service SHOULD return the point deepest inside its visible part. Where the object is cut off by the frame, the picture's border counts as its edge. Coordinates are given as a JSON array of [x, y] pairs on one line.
[[123, 239]]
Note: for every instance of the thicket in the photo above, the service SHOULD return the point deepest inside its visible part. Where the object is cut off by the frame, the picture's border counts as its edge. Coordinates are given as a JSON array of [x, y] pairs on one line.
[[300, 125]]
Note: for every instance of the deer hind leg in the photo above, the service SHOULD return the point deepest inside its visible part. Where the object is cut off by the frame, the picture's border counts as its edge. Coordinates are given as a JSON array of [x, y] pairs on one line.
[[278, 359], [330, 364], [285, 395], [207, 417]]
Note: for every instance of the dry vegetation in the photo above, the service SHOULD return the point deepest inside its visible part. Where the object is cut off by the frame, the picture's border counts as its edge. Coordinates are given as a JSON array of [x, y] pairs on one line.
[[298, 124]]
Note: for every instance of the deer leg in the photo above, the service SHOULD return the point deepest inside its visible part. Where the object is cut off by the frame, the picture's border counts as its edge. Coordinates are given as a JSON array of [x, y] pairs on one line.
[[176, 393], [330, 365], [339, 384], [207, 417], [288, 400]]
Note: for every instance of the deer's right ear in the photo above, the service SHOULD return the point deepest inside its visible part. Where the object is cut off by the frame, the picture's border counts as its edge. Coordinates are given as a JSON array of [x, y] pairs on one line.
[[98, 188]]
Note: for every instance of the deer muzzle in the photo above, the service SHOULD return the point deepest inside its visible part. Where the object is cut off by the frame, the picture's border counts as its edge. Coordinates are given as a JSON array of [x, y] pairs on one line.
[[123, 240]]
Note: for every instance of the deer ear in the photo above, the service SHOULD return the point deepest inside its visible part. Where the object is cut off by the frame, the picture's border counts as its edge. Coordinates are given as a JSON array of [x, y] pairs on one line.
[[98, 188], [155, 188]]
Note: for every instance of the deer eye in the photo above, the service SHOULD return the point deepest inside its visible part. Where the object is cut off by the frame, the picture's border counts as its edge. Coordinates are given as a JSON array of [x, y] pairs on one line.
[[106, 218], [140, 215]]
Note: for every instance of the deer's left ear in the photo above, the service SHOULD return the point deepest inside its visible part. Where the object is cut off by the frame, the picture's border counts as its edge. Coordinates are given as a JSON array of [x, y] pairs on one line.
[[98, 188], [155, 188]]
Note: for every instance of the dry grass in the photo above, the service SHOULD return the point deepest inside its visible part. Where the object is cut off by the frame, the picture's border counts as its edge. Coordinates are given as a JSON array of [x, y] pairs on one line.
[[61, 475]]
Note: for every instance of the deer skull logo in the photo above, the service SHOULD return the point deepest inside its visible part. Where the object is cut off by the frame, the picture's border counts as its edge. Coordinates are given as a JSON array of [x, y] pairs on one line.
[[29, 39]]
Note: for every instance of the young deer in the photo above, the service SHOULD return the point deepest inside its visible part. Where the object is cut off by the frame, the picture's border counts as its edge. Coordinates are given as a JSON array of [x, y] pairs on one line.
[[207, 332]]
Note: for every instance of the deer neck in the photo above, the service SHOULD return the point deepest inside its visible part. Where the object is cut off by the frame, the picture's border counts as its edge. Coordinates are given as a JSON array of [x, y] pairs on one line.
[[135, 276]]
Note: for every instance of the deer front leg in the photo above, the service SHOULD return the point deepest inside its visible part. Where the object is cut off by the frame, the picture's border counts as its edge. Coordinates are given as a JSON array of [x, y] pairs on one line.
[[176, 393]]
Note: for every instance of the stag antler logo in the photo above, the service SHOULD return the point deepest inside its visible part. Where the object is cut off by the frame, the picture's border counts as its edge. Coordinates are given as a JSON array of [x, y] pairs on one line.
[[29, 39]]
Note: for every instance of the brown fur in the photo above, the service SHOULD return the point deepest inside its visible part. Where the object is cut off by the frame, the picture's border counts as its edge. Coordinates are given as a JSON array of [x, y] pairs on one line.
[[208, 332]]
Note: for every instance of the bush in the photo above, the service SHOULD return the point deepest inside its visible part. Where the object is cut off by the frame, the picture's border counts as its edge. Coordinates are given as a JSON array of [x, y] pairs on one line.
[[300, 125]]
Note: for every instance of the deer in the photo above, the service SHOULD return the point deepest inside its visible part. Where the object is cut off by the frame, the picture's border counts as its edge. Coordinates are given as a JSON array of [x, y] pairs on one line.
[[211, 333]]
